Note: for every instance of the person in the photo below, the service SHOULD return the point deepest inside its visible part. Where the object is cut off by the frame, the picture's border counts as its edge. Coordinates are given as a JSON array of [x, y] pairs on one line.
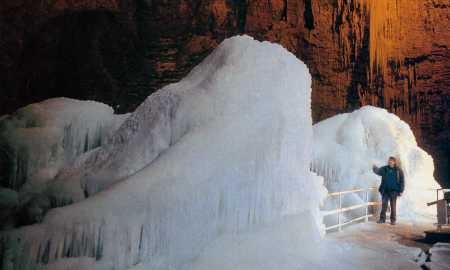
[[391, 187]]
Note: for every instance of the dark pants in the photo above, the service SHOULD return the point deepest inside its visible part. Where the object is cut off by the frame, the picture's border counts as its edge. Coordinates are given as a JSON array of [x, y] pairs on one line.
[[389, 197]]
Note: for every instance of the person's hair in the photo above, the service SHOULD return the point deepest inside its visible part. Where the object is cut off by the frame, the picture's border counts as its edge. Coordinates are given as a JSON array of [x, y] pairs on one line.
[[397, 162]]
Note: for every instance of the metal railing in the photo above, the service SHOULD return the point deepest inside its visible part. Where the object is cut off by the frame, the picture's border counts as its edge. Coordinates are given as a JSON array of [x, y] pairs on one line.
[[338, 211], [443, 190], [442, 207]]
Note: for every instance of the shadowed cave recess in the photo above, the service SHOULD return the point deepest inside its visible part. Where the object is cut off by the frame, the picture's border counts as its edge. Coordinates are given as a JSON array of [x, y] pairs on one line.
[[388, 53]]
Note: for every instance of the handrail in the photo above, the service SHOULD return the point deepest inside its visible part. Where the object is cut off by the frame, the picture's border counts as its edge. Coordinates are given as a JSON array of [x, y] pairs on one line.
[[350, 191], [349, 208], [341, 209], [345, 223], [444, 190]]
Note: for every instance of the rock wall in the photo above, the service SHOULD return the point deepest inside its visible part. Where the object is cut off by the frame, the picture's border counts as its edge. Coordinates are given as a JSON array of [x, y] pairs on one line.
[[390, 53]]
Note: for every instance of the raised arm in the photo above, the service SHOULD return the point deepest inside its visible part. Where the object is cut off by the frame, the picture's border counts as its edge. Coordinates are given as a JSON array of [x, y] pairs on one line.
[[377, 170]]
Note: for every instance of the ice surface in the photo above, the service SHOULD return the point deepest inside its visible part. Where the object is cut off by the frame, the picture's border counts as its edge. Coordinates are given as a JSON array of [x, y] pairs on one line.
[[362, 246], [223, 153], [347, 145], [41, 138]]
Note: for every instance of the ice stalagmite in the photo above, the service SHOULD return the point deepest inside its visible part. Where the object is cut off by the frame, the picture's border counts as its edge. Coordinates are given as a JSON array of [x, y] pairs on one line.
[[346, 146], [221, 154]]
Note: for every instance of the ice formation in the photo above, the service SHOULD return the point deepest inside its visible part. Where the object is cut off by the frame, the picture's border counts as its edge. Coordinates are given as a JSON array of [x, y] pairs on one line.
[[222, 153], [40, 139], [347, 145]]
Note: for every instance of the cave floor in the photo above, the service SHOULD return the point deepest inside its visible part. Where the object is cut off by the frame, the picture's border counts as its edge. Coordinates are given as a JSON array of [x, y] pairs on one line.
[[404, 233], [383, 246]]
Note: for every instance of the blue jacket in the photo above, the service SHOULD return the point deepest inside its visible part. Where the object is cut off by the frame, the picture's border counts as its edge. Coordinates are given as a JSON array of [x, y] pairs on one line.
[[392, 179]]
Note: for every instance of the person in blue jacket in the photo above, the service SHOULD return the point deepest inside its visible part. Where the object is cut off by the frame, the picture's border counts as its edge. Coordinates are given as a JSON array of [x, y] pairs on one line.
[[392, 186]]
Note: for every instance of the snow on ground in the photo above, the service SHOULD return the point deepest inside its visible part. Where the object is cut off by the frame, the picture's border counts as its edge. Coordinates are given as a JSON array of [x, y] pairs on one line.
[[221, 155], [347, 145]]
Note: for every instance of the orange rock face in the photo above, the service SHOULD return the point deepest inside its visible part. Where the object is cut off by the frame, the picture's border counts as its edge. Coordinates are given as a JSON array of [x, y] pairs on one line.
[[390, 53]]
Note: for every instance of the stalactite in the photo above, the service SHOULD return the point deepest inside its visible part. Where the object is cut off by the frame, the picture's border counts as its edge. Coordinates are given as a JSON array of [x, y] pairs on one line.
[[385, 29]]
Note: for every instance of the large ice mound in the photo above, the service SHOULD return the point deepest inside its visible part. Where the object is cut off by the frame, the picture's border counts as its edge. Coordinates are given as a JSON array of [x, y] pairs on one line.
[[224, 152], [37, 142], [347, 145], [41, 138]]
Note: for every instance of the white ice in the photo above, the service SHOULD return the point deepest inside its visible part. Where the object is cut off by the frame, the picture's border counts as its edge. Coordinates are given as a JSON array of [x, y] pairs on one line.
[[213, 173], [222, 154], [41, 138], [347, 145]]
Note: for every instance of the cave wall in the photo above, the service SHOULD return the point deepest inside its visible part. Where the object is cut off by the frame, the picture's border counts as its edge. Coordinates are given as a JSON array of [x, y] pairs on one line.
[[390, 53]]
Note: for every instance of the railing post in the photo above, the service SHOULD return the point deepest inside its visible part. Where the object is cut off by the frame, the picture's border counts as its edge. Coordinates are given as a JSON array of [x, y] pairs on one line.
[[340, 221], [339, 213], [367, 205]]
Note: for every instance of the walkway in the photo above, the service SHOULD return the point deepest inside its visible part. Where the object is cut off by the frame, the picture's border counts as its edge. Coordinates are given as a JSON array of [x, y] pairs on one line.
[[383, 246]]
